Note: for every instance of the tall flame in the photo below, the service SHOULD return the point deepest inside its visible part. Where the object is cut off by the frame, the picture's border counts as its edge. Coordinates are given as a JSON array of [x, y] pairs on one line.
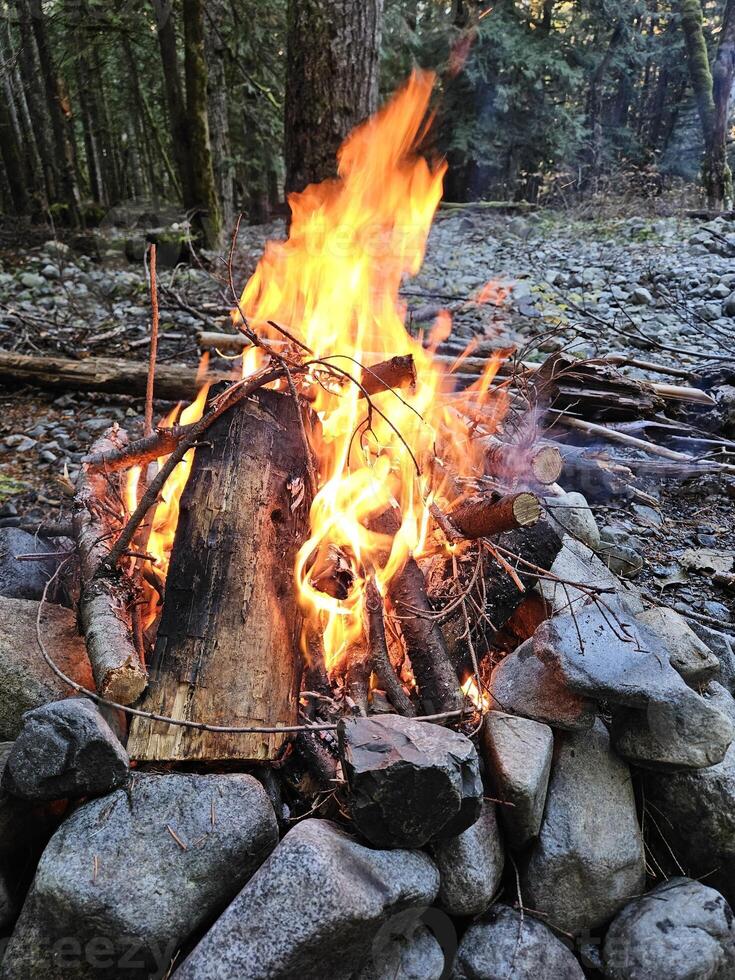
[[334, 285]]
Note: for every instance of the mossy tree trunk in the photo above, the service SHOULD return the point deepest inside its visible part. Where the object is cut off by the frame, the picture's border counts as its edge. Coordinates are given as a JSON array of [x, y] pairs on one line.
[[188, 114], [712, 93], [203, 185], [331, 81]]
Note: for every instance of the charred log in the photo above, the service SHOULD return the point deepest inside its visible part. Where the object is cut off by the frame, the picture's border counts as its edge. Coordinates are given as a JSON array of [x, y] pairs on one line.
[[227, 650]]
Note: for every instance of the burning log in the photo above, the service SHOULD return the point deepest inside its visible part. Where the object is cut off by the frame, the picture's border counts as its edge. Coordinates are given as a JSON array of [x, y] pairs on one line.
[[227, 650], [541, 463], [106, 600], [480, 515], [173, 382], [436, 678], [398, 372]]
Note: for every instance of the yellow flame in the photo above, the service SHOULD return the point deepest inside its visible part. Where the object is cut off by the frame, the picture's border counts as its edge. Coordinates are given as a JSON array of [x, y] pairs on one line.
[[334, 285]]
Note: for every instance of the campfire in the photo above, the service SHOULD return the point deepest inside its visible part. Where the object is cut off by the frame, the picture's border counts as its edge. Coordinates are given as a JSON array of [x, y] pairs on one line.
[[327, 518]]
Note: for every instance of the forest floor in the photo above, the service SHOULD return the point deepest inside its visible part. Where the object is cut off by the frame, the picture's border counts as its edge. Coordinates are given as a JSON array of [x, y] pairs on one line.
[[662, 288]]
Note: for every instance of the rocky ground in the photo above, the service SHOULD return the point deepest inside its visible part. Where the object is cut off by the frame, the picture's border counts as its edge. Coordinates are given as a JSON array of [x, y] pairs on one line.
[[661, 288]]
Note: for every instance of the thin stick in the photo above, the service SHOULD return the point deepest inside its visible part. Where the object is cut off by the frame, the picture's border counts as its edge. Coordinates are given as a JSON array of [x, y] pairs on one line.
[[148, 419], [240, 391]]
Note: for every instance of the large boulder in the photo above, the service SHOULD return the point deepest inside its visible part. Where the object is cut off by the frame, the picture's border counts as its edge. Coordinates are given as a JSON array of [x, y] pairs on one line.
[[65, 749], [518, 754], [315, 909], [576, 563], [127, 878], [408, 781], [570, 512], [504, 945], [404, 949], [604, 654], [522, 685], [699, 814], [470, 865], [588, 860], [682, 930], [26, 681], [24, 579]]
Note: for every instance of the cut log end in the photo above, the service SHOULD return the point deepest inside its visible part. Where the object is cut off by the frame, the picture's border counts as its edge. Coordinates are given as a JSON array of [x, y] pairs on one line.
[[547, 464], [397, 372]]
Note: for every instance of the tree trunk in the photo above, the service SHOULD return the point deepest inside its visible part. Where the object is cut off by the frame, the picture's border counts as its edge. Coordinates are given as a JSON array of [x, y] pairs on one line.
[[174, 98], [12, 153], [208, 214], [228, 647], [712, 93], [719, 188], [30, 73], [594, 103], [60, 120], [217, 95], [331, 81]]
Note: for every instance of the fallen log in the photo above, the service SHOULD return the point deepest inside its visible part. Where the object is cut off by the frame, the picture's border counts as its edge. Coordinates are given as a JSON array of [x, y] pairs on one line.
[[105, 600], [479, 515], [228, 650], [174, 382]]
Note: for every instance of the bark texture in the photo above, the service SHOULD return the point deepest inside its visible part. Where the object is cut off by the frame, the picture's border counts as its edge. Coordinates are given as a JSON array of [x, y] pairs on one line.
[[228, 650], [331, 81]]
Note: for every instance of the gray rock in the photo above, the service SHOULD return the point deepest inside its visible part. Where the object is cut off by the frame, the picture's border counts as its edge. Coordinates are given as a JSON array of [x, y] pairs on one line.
[[699, 809], [25, 680], [570, 512], [114, 888], [501, 945], [728, 306], [577, 563], [682, 930], [23, 579], [470, 865], [518, 754], [688, 654], [624, 663], [404, 950], [408, 781], [314, 909], [50, 272], [31, 281], [621, 559], [65, 749], [522, 685], [641, 296], [722, 645], [588, 860]]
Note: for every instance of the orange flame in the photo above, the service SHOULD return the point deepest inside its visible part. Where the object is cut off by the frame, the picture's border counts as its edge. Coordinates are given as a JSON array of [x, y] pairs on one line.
[[334, 285]]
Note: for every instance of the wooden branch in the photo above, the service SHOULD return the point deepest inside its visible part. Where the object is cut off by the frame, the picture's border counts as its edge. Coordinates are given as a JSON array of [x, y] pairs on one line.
[[378, 648], [480, 515], [120, 377], [105, 602], [229, 398], [153, 353]]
